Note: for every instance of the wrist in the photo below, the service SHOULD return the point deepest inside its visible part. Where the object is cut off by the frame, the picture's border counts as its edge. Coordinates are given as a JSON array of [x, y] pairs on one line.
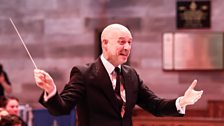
[[48, 91], [51, 89], [182, 102]]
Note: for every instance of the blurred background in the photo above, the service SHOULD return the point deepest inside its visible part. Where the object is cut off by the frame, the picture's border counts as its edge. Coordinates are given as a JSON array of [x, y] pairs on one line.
[[62, 33]]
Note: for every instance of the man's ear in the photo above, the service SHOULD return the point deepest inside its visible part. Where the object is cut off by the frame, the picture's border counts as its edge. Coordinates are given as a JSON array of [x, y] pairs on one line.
[[105, 41]]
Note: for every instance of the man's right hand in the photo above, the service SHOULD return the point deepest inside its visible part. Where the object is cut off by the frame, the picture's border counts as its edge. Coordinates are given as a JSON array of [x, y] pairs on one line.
[[44, 80]]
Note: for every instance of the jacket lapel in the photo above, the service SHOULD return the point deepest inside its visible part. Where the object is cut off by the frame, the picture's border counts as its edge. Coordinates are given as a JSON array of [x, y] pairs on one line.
[[105, 83], [128, 87]]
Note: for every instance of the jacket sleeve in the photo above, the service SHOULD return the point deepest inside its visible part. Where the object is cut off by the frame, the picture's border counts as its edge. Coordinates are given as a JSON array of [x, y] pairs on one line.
[[150, 102], [63, 103]]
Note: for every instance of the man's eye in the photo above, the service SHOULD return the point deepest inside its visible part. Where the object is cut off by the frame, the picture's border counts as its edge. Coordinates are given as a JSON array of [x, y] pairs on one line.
[[122, 42]]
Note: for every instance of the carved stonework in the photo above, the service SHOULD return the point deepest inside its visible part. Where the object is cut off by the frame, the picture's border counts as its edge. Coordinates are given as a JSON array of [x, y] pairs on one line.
[[193, 14]]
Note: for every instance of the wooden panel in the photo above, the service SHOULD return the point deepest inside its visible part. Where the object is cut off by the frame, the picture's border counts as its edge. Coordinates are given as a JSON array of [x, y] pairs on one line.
[[216, 109], [177, 121]]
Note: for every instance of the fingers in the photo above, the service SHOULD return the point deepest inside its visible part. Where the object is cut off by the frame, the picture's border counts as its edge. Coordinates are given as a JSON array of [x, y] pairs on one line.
[[41, 74], [44, 80], [197, 96], [191, 96], [41, 77], [193, 85]]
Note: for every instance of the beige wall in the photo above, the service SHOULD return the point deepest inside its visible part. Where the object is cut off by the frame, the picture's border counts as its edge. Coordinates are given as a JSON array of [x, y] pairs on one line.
[[61, 34]]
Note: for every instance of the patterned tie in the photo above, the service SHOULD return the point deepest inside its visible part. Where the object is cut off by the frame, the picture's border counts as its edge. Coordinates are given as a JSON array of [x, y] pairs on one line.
[[117, 89]]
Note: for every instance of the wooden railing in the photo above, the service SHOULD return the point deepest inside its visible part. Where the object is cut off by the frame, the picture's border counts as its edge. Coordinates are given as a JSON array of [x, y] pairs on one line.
[[177, 121], [212, 116], [216, 109]]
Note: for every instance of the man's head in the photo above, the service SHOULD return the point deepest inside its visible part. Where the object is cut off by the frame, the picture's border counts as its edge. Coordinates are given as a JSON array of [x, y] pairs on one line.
[[116, 42]]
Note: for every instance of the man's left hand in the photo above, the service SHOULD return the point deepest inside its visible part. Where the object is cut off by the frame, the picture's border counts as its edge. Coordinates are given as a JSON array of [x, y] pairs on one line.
[[191, 96]]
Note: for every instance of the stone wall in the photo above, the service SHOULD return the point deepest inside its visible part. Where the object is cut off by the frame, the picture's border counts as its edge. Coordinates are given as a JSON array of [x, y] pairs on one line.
[[62, 33]]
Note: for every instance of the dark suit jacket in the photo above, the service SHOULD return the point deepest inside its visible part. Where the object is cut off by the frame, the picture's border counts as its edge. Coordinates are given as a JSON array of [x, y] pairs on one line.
[[7, 80], [90, 90]]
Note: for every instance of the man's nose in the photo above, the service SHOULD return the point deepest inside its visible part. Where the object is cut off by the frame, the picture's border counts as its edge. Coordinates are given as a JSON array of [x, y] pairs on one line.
[[127, 46]]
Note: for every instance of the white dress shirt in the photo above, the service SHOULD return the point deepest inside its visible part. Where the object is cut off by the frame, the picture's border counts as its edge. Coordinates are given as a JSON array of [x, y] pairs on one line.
[[112, 74]]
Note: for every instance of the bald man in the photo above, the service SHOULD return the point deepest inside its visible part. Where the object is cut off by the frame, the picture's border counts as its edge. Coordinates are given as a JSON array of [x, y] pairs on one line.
[[106, 91]]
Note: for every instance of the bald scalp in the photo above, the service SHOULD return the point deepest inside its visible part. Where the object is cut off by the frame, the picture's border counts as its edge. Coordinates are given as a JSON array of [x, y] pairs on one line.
[[113, 29]]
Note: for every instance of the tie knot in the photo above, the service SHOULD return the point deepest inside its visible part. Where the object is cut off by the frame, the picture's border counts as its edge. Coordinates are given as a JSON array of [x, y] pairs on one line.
[[117, 70]]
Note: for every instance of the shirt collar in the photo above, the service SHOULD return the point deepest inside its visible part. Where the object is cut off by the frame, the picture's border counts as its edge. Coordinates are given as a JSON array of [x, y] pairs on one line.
[[109, 67]]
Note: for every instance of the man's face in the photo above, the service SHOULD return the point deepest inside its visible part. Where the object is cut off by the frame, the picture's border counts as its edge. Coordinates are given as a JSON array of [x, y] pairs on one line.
[[119, 47]]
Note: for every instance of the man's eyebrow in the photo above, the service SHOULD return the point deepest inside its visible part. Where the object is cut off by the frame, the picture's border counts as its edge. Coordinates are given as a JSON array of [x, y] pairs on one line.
[[121, 38]]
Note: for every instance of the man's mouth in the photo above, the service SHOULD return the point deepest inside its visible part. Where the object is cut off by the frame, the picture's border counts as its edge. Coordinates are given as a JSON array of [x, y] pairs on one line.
[[124, 54]]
